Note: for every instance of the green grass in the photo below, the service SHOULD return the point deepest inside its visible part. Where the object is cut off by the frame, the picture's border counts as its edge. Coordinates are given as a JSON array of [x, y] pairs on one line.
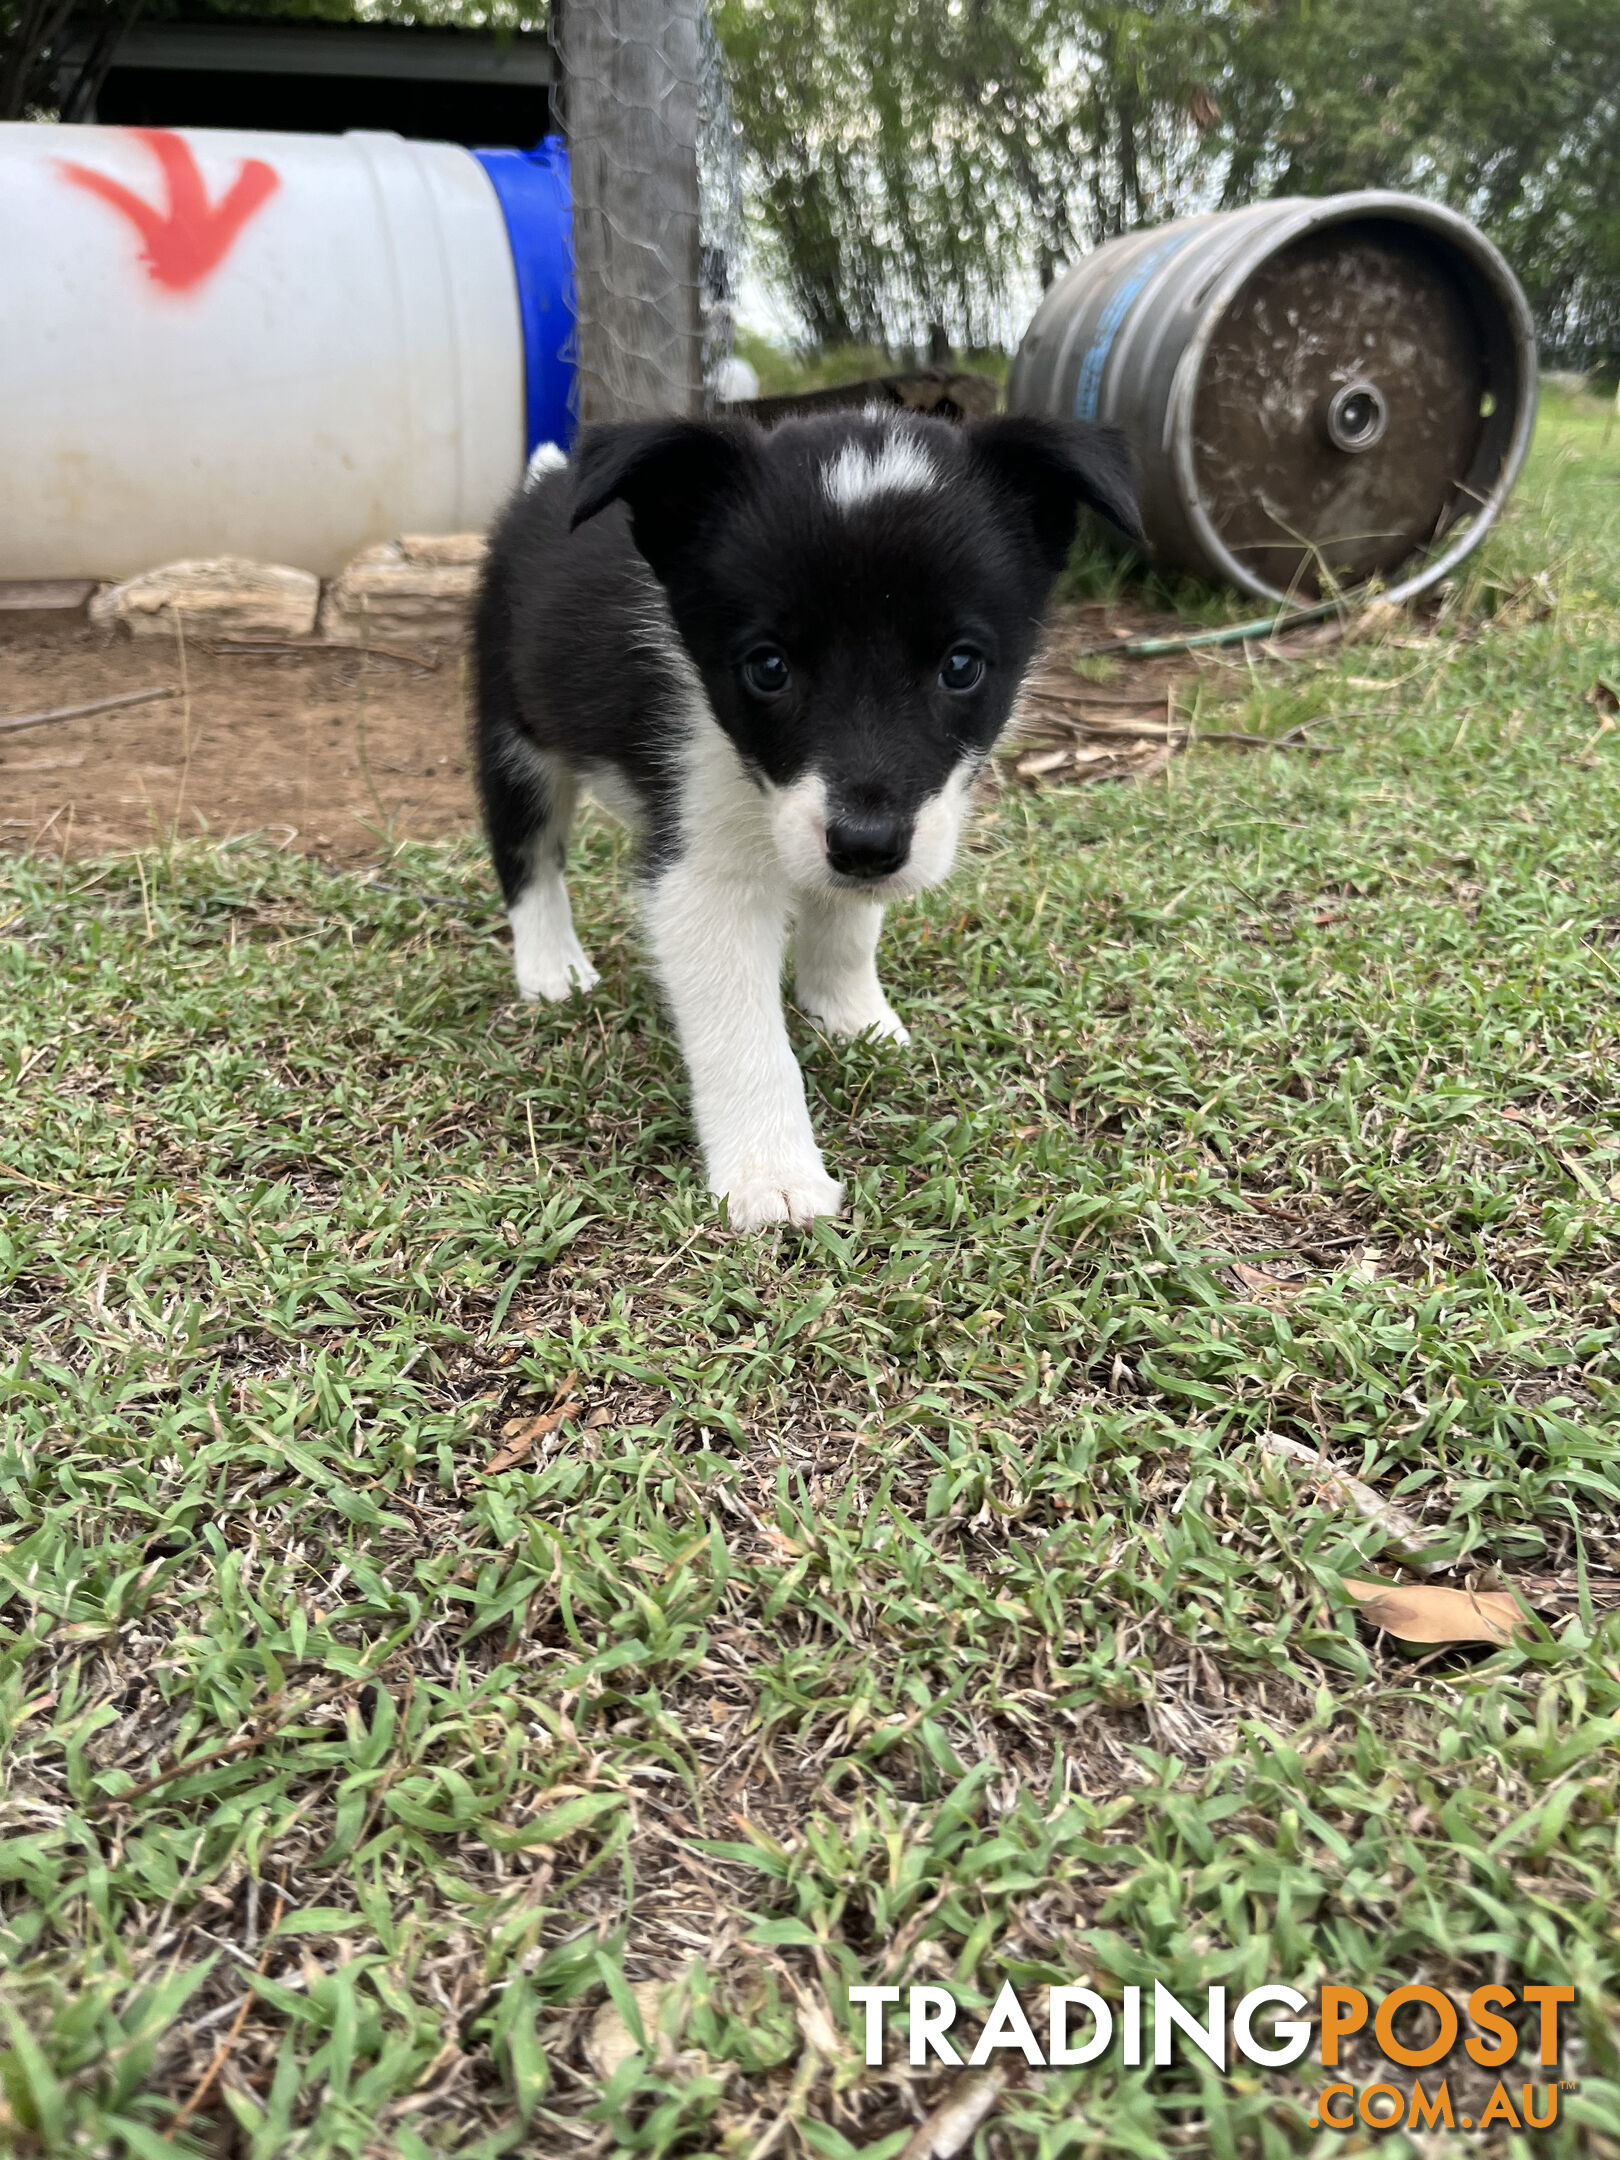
[[783, 370], [915, 1601]]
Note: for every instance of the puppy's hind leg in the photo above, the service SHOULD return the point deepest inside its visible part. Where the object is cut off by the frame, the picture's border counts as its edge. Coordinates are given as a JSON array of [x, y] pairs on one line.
[[529, 803], [835, 967]]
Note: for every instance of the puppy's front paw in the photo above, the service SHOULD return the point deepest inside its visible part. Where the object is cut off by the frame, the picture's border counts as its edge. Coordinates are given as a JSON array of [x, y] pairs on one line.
[[795, 1196], [847, 1020], [884, 1026], [555, 975]]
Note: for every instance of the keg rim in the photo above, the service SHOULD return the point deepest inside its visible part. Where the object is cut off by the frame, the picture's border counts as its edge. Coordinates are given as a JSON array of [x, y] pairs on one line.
[[1271, 236]]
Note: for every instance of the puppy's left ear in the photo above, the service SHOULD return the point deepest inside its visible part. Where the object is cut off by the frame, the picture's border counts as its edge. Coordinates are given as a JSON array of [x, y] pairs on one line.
[[1052, 467], [673, 474]]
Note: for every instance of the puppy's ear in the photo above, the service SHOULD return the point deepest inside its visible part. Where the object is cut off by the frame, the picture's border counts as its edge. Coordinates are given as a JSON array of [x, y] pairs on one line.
[[1052, 467], [671, 473]]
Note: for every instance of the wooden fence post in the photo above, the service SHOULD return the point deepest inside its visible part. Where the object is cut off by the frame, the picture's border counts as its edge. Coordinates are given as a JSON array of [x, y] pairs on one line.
[[631, 72]]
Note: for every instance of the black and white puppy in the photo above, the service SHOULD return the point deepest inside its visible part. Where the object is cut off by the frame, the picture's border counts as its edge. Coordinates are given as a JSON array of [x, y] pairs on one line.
[[784, 657]]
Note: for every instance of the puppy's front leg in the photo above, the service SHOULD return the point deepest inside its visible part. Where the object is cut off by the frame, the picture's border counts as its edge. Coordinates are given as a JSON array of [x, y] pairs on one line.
[[718, 943], [835, 967]]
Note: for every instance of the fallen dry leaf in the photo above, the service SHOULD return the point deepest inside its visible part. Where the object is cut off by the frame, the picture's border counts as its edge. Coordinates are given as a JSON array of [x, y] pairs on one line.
[[609, 2040], [790, 1548], [523, 1435], [1425, 1613], [1402, 1530], [1044, 761], [1265, 1286], [1376, 619], [953, 2122]]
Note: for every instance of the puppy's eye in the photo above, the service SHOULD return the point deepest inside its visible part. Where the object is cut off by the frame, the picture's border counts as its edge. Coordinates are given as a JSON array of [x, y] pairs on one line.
[[766, 671], [963, 669]]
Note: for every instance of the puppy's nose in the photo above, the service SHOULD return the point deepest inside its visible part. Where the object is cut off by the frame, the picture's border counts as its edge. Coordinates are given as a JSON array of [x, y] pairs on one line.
[[867, 847]]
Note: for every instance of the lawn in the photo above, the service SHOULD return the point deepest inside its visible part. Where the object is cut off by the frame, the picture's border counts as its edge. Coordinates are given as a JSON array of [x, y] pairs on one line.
[[450, 1583]]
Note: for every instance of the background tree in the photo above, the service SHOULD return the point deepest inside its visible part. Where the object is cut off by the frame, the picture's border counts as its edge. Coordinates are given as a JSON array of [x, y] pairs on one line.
[[918, 163], [33, 34], [932, 162], [1507, 109]]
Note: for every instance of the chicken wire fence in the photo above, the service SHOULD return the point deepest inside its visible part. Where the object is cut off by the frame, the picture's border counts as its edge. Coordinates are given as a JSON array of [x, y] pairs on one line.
[[656, 179]]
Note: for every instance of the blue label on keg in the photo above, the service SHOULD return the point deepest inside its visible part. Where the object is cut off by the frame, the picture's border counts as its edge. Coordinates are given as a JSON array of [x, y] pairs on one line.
[[1089, 387]]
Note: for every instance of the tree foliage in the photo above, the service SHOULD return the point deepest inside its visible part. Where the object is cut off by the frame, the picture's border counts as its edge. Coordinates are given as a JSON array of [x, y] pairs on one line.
[[1507, 109], [915, 159], [928, 161]]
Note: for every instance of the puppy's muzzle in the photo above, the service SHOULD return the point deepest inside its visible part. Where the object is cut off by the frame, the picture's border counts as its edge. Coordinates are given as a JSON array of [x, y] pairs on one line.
[[868, 847]]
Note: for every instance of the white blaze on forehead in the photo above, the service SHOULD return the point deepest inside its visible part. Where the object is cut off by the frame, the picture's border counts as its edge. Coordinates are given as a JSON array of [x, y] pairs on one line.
[[899, 466]]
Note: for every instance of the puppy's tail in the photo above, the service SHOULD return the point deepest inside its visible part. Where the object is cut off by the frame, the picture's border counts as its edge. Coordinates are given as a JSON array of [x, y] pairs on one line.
[[547, 458]]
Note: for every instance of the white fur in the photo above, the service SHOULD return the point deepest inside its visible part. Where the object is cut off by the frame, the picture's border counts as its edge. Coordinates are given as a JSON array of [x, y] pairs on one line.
[[753, 862], [546, 458], [798, 823], [547, 957], [835, 967], [858, 472], [937, 833], [798, 829], [717, 919]]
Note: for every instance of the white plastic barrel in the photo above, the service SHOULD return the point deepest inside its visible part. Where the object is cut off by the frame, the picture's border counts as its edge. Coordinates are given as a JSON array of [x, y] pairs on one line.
[[285, 347]]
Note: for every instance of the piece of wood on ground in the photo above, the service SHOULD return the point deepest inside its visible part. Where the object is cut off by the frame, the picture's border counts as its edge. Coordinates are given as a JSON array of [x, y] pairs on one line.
[[1404, 1532], [12, 721], [44, 595]]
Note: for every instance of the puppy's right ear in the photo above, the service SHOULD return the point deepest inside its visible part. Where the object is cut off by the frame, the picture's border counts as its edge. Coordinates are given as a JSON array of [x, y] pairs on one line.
[[673, 474]]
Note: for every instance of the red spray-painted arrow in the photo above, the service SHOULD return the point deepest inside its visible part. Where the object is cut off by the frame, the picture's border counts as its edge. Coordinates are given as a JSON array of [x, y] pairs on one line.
[[190, 237]]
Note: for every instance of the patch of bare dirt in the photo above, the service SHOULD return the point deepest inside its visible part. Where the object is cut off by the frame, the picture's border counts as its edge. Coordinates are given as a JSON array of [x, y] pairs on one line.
[[338, 753], [342, 753]]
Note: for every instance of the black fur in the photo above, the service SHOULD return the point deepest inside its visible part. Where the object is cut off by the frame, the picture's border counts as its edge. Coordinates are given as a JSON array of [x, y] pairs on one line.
[[737, 528], [785, 656]]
